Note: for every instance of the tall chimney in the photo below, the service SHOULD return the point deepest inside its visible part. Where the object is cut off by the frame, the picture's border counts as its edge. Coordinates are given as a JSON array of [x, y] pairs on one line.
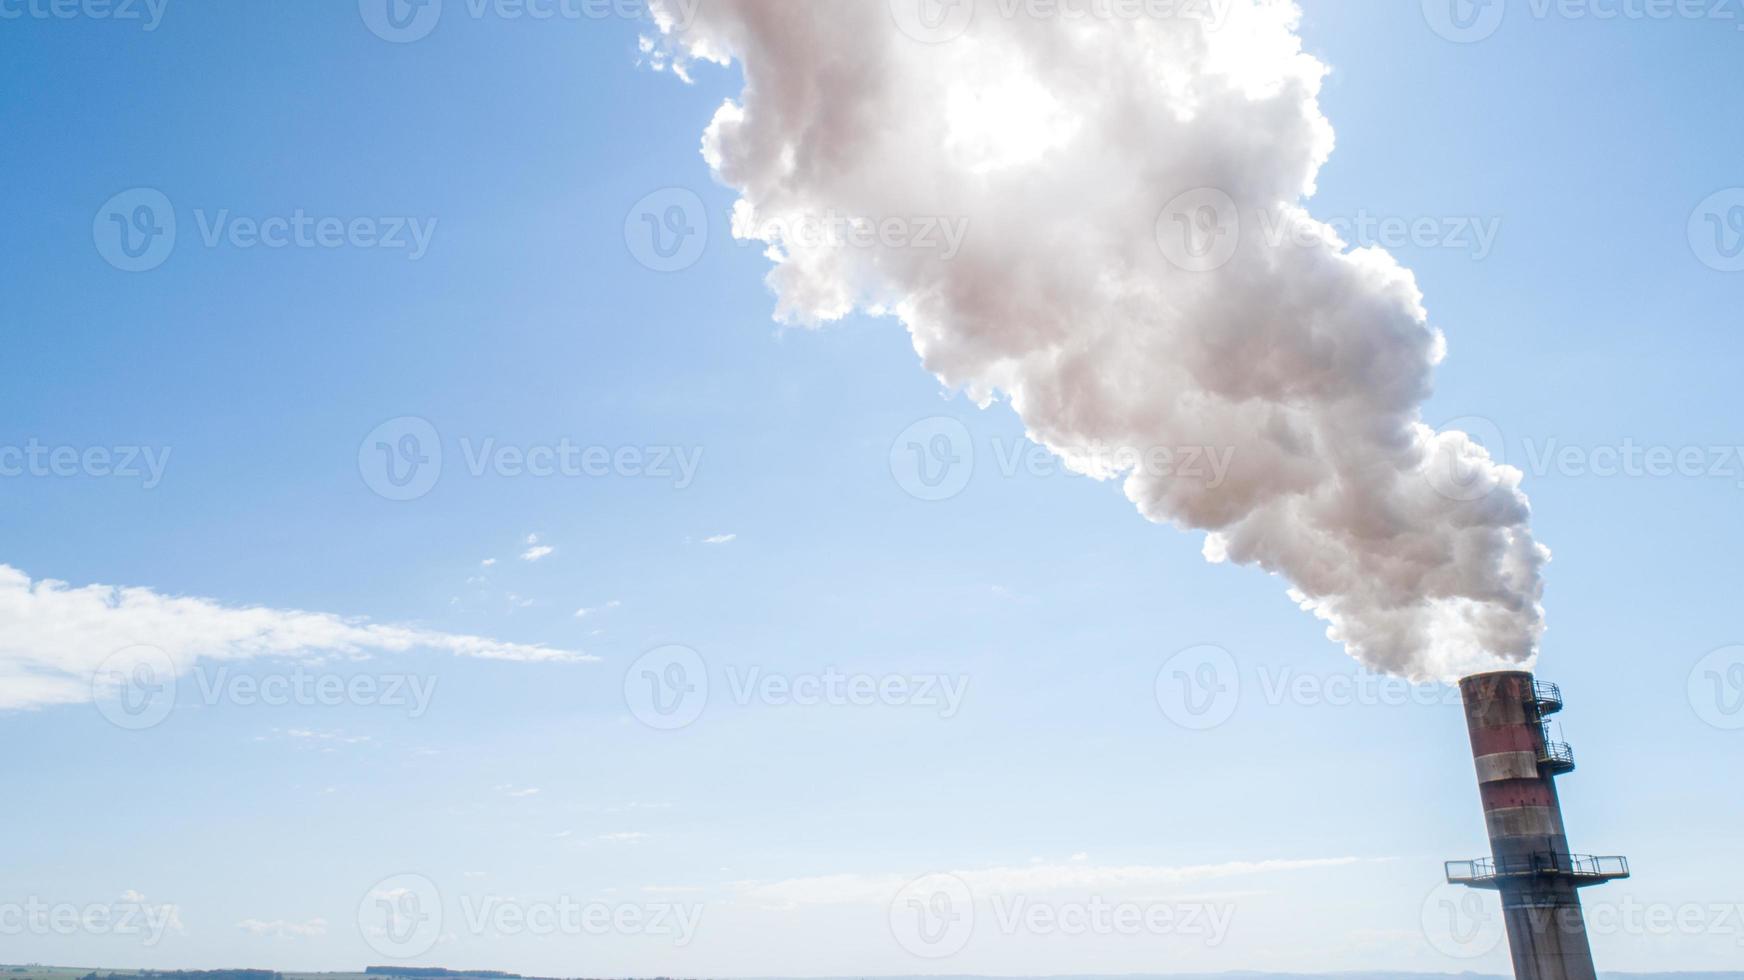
[[1530, 863]]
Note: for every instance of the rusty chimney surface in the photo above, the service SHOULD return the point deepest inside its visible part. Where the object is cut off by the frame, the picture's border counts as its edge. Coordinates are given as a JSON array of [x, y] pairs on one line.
[[1530, 863]]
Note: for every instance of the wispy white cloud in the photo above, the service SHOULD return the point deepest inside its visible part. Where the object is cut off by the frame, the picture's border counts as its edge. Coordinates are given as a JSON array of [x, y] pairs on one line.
[[58, 641], [584, 612], [311, 735], [282, 929], [1033, 879], [721, 539], [536, 551]]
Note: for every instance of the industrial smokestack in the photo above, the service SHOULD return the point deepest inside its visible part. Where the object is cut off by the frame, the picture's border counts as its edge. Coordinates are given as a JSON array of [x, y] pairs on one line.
[[1530, 863]]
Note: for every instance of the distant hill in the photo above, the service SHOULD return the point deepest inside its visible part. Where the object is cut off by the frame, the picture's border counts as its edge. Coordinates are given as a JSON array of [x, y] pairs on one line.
[[35, 972], [1282, 976]]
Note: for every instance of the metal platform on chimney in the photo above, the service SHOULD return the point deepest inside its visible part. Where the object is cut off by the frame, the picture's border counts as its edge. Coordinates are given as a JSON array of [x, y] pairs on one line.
[[1582, 869], [1558, 757], [1547, 696]]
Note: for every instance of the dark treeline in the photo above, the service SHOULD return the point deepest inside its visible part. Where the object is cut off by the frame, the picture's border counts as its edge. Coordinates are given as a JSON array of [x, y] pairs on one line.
[[422, 972]]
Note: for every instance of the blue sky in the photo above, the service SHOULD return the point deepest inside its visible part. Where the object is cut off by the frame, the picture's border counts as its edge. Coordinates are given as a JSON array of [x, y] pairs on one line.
[[524, 146]]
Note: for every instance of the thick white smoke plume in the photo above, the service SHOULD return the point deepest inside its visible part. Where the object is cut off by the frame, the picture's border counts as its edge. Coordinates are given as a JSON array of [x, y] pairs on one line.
[[1138, 273]]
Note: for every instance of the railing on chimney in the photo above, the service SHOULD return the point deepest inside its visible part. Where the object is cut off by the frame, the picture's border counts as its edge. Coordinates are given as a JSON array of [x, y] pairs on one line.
[[1556, 756], [1547, 696], [1586, 869]]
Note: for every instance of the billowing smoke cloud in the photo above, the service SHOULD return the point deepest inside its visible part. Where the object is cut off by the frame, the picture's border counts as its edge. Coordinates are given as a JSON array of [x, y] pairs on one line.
[[1139, 273]]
